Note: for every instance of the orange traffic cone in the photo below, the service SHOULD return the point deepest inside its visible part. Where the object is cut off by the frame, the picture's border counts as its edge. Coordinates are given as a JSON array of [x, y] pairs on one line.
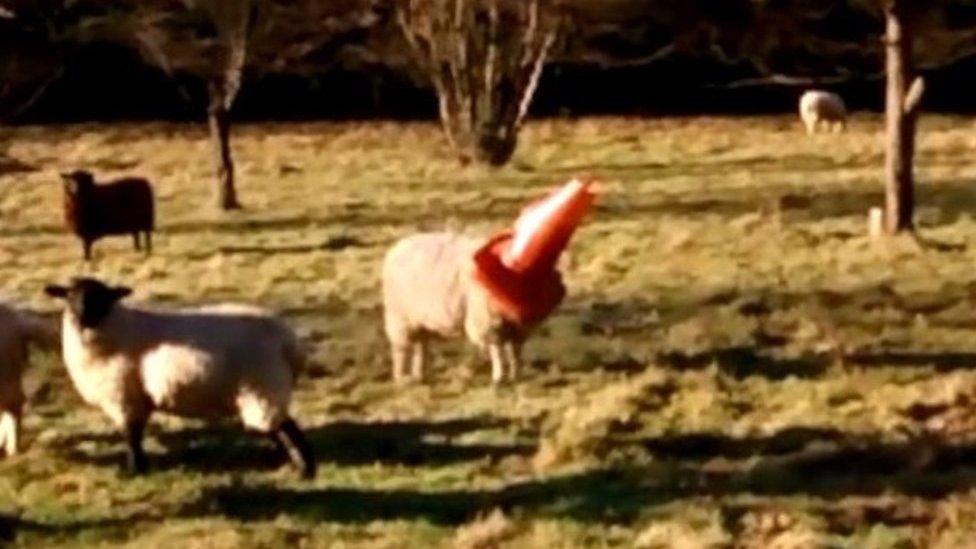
[[518, 268], [544, 228]]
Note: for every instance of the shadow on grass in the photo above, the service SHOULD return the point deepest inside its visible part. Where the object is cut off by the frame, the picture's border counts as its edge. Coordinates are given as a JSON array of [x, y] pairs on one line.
[[10, 165], [226, 447], [950, 198], [420, 216], [408, 443], [12, 527], [941, 361], [599, 495], [333, 244], [757, 164], [743, 362], [815, 462], [824, 464]]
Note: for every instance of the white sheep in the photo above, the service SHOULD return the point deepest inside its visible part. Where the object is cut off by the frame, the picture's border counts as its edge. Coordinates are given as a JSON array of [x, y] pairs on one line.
[[822, 108], [207, 362], [18, 329], [429, 290]]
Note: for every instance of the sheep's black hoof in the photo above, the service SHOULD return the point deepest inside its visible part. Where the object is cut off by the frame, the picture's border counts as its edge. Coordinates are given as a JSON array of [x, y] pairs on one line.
[[297, 448], [135, 458], [136, 462], [136, 466]]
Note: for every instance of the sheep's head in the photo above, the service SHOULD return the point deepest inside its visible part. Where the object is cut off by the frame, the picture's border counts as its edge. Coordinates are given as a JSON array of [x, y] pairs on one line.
[[88, 299], [77, 182]]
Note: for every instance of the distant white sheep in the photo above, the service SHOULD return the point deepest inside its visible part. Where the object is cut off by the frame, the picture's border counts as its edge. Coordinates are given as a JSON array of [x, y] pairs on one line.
[[820, 108], [207, 362], [429, 290], [18, 329]]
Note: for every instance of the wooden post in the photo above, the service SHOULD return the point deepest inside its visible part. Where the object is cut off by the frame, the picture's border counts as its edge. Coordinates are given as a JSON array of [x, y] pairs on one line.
[[901, 116]]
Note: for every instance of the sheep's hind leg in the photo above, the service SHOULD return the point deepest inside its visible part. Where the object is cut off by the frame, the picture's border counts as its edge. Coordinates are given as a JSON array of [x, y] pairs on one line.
[[296, 446], [87, 245], [418, 359], [135, 241], [4, 434], [135, 456], [513, 356], [400, 354], [497, 363], [9, 427], [148, 238]]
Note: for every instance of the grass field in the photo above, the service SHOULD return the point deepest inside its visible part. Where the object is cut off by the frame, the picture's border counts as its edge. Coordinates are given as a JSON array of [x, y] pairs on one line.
[[737, 364]]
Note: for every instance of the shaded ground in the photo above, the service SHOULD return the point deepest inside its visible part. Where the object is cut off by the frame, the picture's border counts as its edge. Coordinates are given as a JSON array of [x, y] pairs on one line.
[[736, 366]]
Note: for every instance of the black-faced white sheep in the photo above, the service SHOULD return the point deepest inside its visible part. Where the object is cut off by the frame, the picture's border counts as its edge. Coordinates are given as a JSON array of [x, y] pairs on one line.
[[429, 290], [206, 362], [18, 329], [821, 108], [123, 206]]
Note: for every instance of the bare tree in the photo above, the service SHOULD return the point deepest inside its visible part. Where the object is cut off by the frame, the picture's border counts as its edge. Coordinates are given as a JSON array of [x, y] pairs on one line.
[[218, 41], [30, 61], [484, 59], [232, 20]]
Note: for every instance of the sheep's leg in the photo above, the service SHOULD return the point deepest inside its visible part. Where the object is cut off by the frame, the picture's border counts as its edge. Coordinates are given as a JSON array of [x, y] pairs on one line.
[[135, 241], [297, 447], [400, 353], [497, 363], [513, 356], [148, 239], [9, 427], [418, 359], [87, 244], [13, 437], [135, 456]]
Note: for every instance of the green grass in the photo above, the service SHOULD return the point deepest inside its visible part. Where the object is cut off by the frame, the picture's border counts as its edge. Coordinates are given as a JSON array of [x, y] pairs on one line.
[[737, 364]]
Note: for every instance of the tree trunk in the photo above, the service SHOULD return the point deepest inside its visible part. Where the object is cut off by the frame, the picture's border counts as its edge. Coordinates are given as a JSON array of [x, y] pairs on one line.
[[901, 119], [218, 118]]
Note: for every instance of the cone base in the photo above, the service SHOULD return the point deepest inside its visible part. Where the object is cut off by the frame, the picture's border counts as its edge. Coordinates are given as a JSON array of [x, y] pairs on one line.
[[522, 298]]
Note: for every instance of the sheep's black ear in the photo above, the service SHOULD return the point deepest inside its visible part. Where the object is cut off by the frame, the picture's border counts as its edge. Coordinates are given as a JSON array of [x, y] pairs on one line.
[[55, 291], [69, 182], [120, 292]]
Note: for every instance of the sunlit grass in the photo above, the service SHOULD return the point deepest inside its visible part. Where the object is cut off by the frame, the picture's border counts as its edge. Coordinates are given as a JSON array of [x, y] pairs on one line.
[[736, 362]]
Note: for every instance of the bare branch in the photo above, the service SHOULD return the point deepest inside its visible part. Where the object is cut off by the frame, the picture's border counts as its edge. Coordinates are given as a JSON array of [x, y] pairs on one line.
[[36, 95], [913, 98]]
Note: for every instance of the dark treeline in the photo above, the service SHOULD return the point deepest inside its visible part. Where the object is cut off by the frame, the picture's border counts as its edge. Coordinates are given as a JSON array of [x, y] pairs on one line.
[[107, 83], [605, 64]]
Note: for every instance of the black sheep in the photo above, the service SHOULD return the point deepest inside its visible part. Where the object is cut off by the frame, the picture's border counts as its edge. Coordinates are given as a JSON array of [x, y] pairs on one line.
[[123, 206]]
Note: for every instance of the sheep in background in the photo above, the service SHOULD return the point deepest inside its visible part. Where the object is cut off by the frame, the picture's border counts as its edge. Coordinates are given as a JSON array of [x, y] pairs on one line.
[[123, 206], [18, 329], [822, 108], [429, 290], [207, 362]]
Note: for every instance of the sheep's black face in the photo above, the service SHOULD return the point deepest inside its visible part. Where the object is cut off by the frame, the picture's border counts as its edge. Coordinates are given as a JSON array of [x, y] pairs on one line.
[[77, 181], [88, 299]]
